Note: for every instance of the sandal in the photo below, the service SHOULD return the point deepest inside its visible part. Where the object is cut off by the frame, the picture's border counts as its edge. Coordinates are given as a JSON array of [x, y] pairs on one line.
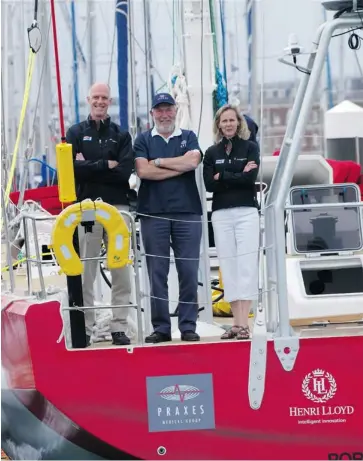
[[243, 333], [231, 333]]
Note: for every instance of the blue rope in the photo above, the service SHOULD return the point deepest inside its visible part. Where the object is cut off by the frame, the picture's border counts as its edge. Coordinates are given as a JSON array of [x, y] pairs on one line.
[[42, 163], [221, 9], [221, 93], [173, 80]]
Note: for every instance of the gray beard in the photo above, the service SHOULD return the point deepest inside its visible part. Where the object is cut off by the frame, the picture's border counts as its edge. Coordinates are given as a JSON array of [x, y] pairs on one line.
[[165, 130]]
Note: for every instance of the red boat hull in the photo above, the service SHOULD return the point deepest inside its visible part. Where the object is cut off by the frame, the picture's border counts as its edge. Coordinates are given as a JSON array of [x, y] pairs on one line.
[[109, 395]]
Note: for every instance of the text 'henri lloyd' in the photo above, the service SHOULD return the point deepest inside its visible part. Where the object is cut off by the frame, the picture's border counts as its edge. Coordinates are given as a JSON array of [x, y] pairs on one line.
[[320, 386]]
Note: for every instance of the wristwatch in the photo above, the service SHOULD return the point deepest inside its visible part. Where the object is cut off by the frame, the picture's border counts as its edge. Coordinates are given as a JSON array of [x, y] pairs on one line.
[[157, 162]]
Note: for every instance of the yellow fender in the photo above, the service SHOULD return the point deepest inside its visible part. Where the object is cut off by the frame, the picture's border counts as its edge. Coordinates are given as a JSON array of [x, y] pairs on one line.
[[108, 216], [221, 308]]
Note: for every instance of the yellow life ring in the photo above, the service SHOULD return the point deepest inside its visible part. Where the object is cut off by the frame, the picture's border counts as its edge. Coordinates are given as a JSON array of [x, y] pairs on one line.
[[108, 216]]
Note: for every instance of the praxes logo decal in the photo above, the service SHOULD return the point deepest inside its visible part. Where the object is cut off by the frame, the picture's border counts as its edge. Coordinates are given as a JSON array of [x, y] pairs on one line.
[[180, 402]]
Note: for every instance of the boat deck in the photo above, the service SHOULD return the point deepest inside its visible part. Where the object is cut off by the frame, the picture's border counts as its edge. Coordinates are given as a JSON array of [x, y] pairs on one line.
[[304, 332], [306, 328]]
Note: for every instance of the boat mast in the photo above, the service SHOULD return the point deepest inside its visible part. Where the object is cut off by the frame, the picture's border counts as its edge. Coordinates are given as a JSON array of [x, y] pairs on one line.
[[4, 144], [200, 75], [75, 62], [147, 45], [252, 50], [123, 41], [91, 33], [46, 100], [10, 123], [4, 168], [131, 64], [22, 57]]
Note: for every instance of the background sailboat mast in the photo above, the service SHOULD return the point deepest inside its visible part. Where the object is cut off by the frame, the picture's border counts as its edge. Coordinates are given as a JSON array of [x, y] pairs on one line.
[[132, 74], [90, 37], [148, 71], [46, 100], [122, 61], [75, 62], [252, 51]]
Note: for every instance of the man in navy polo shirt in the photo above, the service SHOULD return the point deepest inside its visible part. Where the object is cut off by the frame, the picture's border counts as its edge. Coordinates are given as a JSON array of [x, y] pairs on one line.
[[170, 212]]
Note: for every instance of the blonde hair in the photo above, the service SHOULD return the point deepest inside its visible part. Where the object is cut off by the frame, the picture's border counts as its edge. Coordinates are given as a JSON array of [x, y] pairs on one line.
[[242, 129]]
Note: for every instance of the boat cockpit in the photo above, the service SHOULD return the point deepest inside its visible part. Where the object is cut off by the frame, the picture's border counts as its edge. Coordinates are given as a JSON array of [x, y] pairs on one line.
[[324, 262]]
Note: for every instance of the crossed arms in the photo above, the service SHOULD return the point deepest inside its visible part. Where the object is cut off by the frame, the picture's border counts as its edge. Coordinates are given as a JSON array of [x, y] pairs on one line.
[[168, 168], [102, 170]]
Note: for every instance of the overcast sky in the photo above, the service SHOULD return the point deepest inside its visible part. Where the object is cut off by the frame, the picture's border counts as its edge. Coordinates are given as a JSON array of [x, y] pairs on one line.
[[276, 20]]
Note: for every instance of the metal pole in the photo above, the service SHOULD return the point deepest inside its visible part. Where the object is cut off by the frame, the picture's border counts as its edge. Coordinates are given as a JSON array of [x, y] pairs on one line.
[[39, 264], [357, 152], [271, 196], [27, 256], [252, 51], [140, 339], [45, 106], [10, 84], [205, 263], [314, 206], [147, 57], [288, 166], [47, 172], [75, 62], [132, 80], [91, 34], [341, 86], [299, 98], [4, 168], [8, 250]]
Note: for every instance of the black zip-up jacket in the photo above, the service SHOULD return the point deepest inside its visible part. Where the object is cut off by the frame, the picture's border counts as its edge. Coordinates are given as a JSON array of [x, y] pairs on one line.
[[93, 177], [233, 188]]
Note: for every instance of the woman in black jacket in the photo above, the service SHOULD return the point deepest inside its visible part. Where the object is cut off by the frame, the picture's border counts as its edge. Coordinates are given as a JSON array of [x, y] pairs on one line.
[[230, 171]]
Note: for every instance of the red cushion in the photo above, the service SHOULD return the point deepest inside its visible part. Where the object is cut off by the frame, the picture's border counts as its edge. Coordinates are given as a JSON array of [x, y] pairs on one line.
[[47, 197]]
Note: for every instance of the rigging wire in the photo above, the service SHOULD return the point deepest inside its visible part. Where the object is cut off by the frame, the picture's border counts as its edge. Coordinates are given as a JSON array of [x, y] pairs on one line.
[[41, 79], [35, 41], [201, 66], [75, 61], [112, 51], [59, 87], [3, 135], [28, 82], [35, 12]]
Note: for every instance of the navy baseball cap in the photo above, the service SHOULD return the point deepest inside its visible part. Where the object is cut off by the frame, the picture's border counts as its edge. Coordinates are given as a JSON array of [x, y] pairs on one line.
[[163, 98]]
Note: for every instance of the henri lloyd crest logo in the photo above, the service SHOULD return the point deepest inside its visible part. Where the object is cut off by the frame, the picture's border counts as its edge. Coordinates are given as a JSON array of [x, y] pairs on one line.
[[182, 402], [183, 144], [319, 386]]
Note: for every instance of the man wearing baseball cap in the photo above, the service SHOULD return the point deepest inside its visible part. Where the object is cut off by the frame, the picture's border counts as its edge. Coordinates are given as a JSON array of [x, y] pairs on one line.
[[170, 212]]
